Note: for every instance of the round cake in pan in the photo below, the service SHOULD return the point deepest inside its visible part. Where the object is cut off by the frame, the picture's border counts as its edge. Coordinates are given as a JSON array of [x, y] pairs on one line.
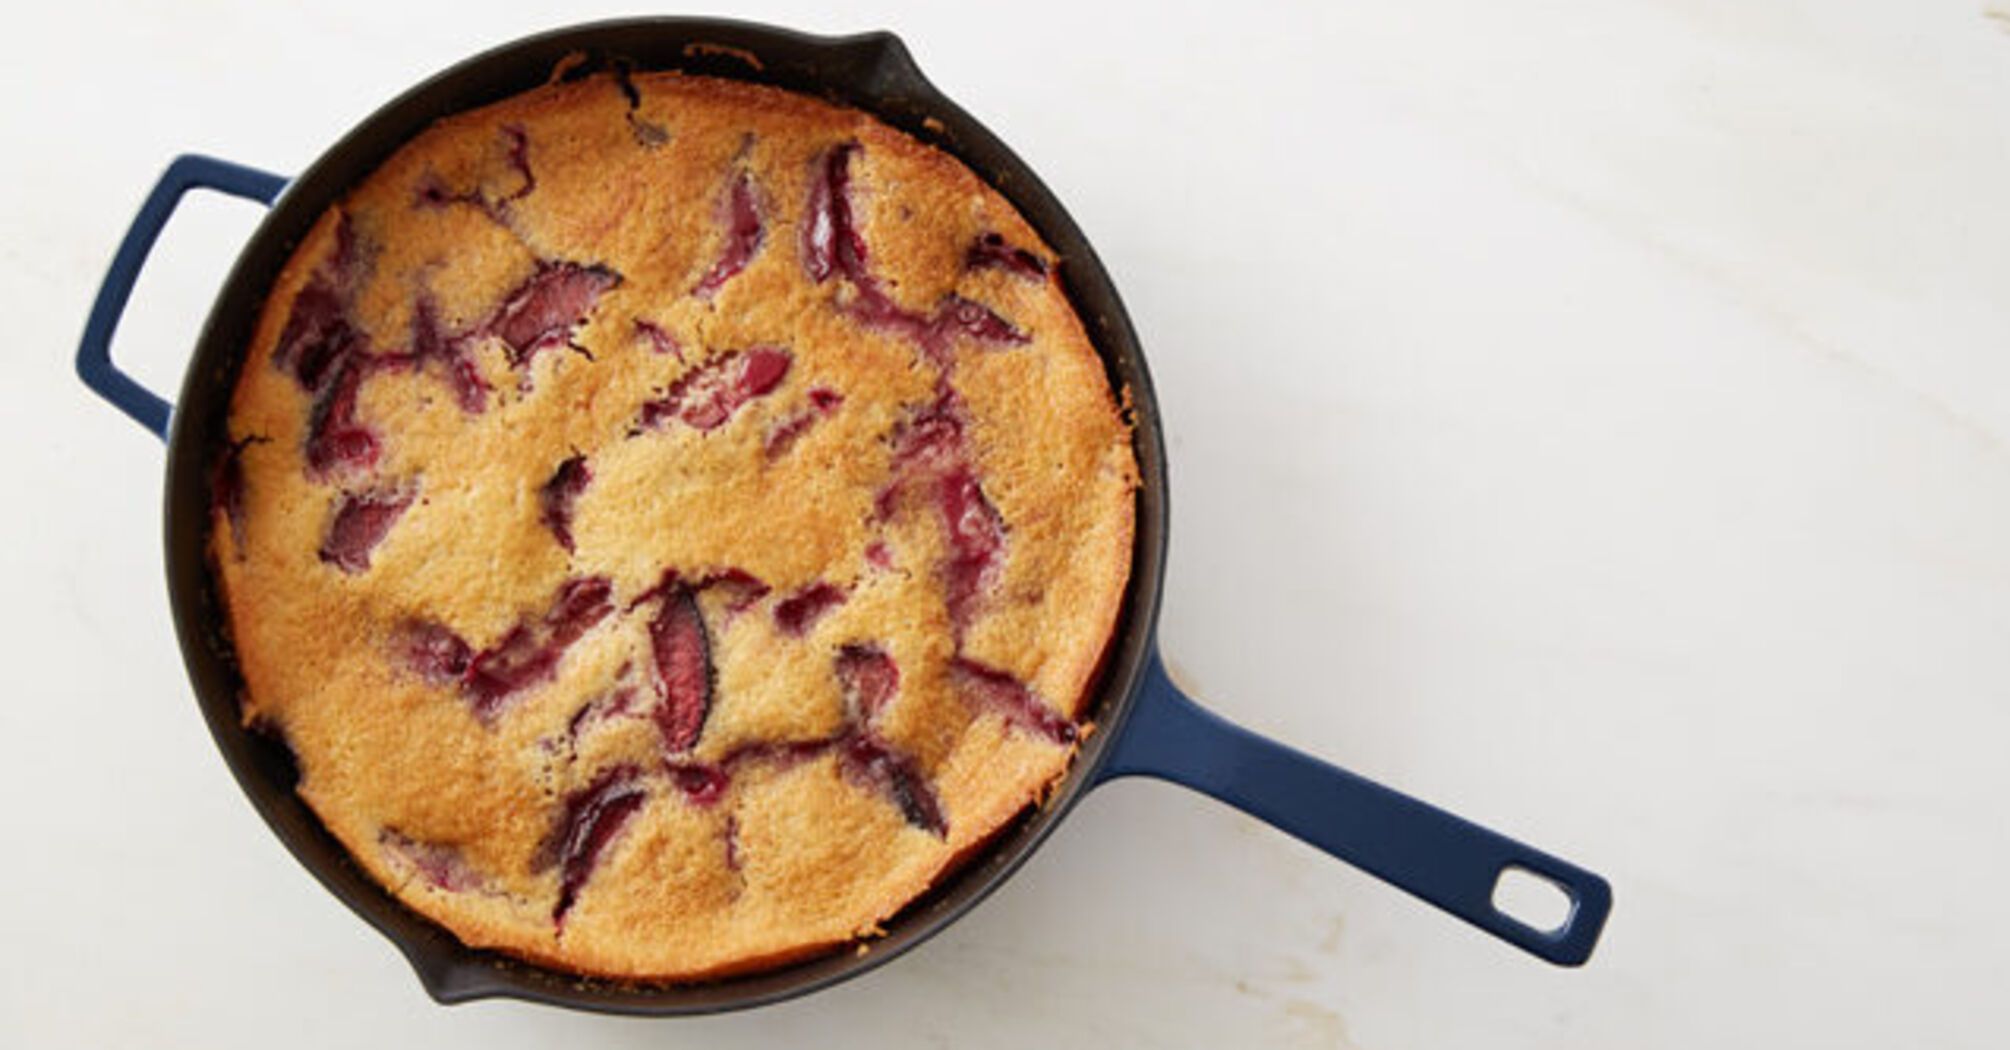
[[671, 521]]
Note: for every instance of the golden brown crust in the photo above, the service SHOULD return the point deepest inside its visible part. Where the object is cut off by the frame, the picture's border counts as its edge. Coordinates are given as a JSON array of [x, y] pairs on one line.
[[451, 800]]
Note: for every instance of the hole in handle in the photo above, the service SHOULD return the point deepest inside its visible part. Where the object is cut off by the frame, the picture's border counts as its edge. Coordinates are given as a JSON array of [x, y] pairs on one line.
[[1535, 901], [173, 293]]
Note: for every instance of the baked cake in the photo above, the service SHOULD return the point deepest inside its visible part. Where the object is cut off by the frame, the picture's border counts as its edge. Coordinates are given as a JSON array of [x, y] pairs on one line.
[[671, 521]]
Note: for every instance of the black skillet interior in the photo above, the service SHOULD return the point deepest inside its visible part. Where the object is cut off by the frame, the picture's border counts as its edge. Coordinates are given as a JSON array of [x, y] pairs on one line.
[[872, 72]]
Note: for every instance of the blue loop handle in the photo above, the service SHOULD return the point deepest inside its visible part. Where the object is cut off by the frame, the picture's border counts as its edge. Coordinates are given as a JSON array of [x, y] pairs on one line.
[[1425, 851], [94, 352]]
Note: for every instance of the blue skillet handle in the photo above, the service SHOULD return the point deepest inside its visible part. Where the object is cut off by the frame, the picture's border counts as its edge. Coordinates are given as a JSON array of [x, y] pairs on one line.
[[1418, 848], [94, 353]]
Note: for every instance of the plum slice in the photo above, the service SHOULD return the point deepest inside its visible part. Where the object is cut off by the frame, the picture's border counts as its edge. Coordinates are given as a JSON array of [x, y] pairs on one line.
[[869, 679], [433, 193], [701, 784], [867, 760], [336, 442], [530, 652], [797, 613], [434, 348], [992, 251], [585, 825], [684, 675], [930, 454], [317, 335], [557, 496], [541, 312], [328, 356], [742, 589], [706, 783], [362, 520], [707, 396], [439, 864], [659, 339], [930, 441], [784, 435], [547, 307], [604, 708], [957, 317], [995, 690], [832, 245], [434, 652], [744, 236], [976, 540], [519, 158], [318, 332], [432, 344]]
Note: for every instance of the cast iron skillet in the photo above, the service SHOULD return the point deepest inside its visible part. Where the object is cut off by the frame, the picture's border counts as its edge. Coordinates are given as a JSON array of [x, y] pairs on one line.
[[1145, 725]]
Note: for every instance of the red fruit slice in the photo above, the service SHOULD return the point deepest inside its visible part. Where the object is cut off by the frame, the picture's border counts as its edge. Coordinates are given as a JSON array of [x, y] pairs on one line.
[[362, 520], [659, 340], [823, 402], [519, 158], [318, 338], [929, 449], [328, 356], [742, 590], [707, 396], [336, 443], [604, 708], [587, 822], [934, 334], [785, 434], [991, 251], [432, 192], [870, 762], [433, 344], [683, 654], [976, 540], [993, 689], [869, 678], [873, 308], [529, 653], [703, 785], [317, 334], [832, 246], [441, 865], [556, 498], [924, 446], [831, 241], [434, 652], [958, 317], [516, 663], [795, 614], [545, 309], [744, 235], [776, 754]]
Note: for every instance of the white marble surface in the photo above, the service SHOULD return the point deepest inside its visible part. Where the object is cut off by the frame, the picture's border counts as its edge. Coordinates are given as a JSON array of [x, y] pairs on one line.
[[1589, 416]]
